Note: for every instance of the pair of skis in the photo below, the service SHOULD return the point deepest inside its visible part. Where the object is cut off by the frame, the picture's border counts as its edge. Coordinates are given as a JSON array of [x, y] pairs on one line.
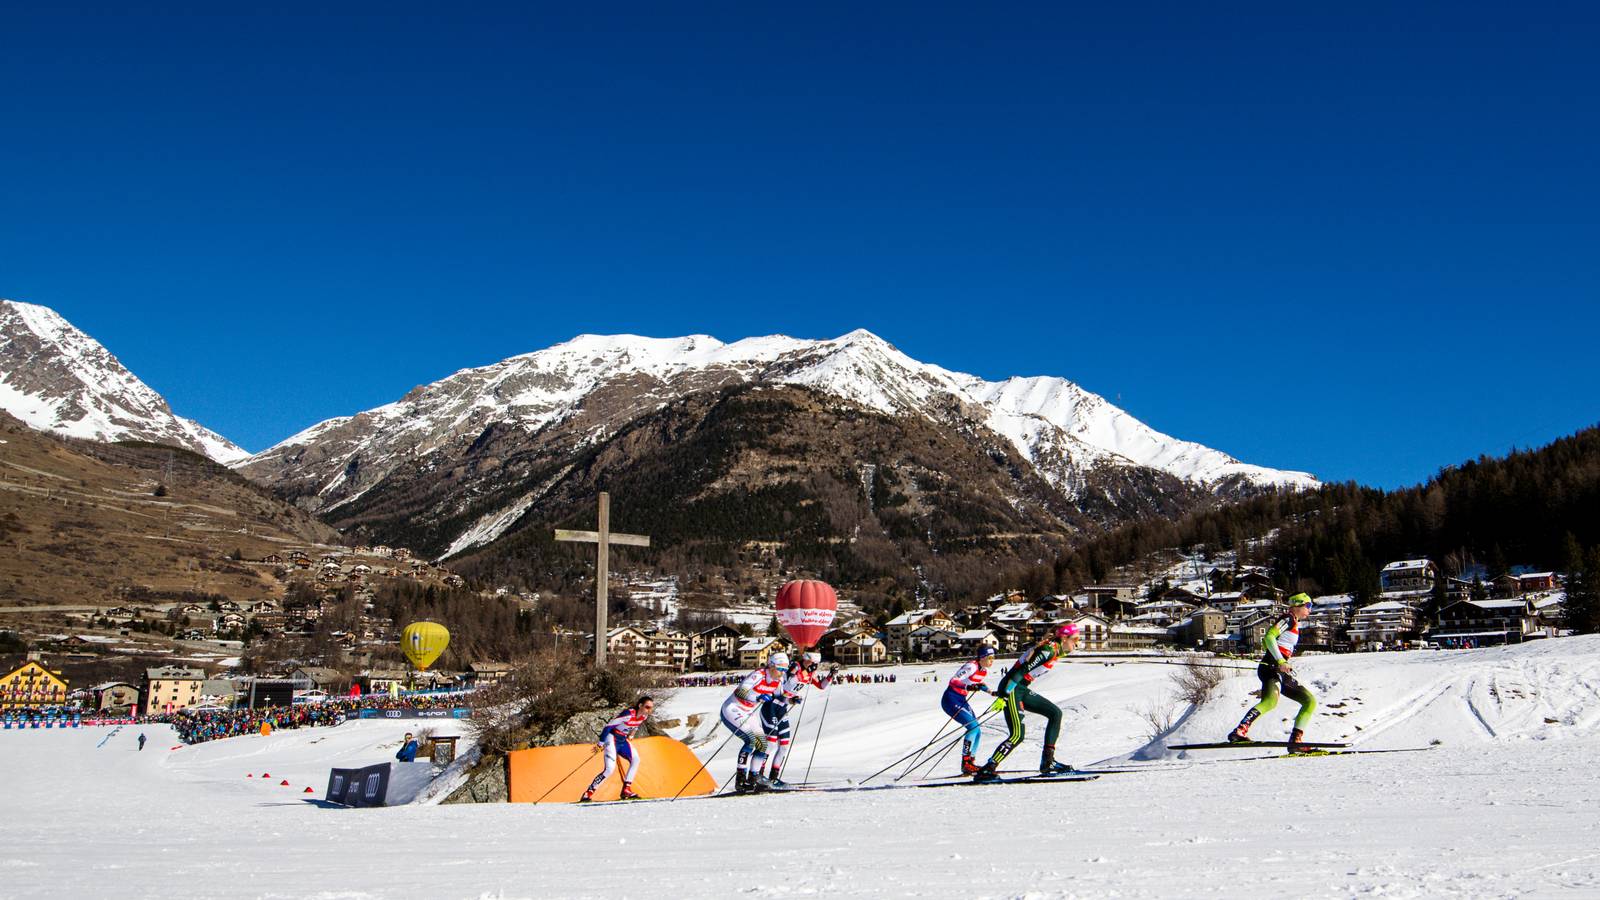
[[1318, 748], [828, 788]]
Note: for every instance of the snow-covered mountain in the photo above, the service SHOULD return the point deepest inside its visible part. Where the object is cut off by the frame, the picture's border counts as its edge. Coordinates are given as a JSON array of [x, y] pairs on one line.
[[56, 378], [592, 386]]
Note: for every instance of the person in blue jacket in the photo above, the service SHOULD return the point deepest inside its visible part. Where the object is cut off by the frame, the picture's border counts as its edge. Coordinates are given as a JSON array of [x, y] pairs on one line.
[[408, 751]]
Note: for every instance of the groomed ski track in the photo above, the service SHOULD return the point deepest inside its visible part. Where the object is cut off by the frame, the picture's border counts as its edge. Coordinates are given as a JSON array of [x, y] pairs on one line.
[[1503, 807]]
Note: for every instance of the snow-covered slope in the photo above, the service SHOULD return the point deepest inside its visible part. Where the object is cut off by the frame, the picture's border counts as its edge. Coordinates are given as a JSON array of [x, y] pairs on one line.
[[1503, 807], [56, 378], [1059, 427]]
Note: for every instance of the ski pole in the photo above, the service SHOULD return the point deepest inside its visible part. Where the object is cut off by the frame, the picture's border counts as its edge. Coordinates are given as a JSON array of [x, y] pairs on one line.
[[918, 758], [592, 751], [714, 753], [948, 746], [798, 722], [906, 757], [816, 741]]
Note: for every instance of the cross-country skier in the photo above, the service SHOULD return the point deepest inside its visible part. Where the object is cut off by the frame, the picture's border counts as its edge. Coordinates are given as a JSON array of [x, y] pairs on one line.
[[741, 715], [967, 680], [615, 741], [1013, 696], [775, 709], [1277, 676]]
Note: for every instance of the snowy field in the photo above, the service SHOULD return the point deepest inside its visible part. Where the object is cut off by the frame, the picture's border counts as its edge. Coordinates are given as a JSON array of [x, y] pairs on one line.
[[1504, 805]]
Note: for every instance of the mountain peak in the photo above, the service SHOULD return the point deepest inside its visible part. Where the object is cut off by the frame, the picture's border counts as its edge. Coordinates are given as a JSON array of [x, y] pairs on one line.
[[56, 378]]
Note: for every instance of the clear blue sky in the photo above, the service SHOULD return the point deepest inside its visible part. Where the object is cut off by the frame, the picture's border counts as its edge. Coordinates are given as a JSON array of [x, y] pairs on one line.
[[1363, 242]]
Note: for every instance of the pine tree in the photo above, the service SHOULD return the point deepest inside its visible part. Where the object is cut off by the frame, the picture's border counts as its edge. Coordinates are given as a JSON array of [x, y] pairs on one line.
[[1583, 594]]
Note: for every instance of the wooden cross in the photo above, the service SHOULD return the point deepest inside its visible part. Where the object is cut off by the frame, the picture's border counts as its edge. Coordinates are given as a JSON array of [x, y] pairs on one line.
[[605, 538]]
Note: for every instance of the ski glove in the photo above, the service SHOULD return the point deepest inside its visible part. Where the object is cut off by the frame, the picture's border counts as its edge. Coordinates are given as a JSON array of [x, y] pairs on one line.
[[977, 688], [998, 704]]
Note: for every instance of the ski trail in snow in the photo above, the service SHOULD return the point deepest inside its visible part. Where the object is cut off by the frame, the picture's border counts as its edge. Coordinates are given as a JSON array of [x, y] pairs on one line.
[[1407, 709]]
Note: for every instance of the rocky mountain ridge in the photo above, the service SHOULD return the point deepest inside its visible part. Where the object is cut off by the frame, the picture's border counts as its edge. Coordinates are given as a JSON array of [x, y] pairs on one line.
[[56, 378]]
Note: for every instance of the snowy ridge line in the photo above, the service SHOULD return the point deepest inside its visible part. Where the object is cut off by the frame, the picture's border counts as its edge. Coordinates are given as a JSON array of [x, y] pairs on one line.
[[1062, 429]]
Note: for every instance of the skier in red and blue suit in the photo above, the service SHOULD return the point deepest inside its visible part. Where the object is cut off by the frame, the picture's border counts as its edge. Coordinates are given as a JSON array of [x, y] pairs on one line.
[[614, 740], [967, 680]]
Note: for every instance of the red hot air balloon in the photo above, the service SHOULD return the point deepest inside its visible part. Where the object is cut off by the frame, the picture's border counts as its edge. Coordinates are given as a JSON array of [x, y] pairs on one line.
[[806, 609]]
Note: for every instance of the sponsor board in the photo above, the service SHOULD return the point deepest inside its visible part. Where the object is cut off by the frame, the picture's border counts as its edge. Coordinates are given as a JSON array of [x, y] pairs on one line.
[[363, 787]]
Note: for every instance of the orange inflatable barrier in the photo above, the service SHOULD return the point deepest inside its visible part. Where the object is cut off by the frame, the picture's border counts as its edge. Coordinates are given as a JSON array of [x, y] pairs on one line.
[[561, 774]]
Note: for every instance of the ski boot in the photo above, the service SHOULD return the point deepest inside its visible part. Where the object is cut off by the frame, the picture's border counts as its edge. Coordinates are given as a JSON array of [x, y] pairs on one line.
[[741, 782], [987, 773], [1241, 734], [1297, 742], [778, 784], [588, 797], [628, 792], [759, 783], [1049, 766], [969, 766]]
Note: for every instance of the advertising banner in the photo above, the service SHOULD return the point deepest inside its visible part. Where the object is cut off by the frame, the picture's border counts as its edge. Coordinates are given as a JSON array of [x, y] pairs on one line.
[[410, 712], [366, 786]]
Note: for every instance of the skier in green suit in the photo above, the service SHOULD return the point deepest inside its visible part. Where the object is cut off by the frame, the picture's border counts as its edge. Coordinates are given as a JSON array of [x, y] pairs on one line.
[[1013, 696], [1277, 677]]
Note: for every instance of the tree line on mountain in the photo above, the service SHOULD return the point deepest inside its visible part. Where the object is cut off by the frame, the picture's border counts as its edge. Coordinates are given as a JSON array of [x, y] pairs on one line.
[[1531, 507]]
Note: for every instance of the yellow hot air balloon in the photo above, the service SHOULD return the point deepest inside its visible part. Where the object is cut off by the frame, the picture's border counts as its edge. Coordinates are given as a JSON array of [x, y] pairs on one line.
[[422, 642]]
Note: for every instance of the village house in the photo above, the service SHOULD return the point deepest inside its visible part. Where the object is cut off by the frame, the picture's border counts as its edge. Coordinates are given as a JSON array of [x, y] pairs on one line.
[[1256, 583], [1011, 639], [651, 649], [1225, 601], [1094, 632], [1326, 621], [973, 638], [1015, 616], [1486, 623], [1250, 630], [219, 692], [383, 681], [112, 695], [1382, 624], [32, 684], [309, 609], [900, 627], [929, 641], [1135, 637], [487, 672], [322, 678], [168, 689], [1408, 576], [1199, 627], [1250, 612], [861, 650], [716, 647], [753, 652]]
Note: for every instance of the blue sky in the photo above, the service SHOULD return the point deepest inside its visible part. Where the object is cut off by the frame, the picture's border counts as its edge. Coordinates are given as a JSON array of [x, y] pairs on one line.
[[1359, 242]]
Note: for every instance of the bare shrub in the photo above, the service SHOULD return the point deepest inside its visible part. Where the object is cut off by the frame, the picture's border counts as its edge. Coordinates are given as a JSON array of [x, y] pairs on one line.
[[532, 703], [1196, 682], [1158, 714]]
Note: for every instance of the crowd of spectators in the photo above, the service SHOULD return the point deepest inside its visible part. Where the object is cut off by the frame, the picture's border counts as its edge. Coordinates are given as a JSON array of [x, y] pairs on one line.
[[198, 726]]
